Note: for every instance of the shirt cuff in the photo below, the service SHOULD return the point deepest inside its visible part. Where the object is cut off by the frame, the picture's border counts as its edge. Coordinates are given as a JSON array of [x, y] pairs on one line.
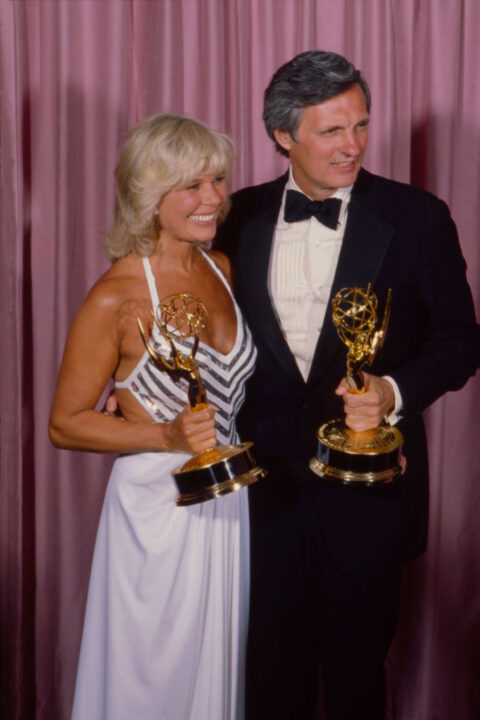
[[393, 417]]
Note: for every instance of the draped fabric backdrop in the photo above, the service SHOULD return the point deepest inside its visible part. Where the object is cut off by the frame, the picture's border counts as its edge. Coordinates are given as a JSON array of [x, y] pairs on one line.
[[75, 75]]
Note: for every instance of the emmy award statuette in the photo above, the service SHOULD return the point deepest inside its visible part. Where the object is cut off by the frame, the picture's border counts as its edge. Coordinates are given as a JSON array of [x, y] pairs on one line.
[[371, 456], [219, 470]]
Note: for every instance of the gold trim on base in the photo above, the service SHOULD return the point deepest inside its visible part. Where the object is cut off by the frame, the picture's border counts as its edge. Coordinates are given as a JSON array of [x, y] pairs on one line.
[[336, 435], [212, 456], [223, 488], [348, 476]]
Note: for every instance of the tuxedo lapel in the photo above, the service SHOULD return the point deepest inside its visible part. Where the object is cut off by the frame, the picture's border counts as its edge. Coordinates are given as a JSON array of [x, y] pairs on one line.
[[365, 243], [256, 300]]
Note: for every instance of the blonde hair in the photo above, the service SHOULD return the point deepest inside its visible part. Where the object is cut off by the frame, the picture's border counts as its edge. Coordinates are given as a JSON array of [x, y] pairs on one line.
[[162, 153]]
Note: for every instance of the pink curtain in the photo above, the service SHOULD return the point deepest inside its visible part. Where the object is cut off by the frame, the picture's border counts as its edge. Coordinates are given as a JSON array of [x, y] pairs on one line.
[[75, 74]]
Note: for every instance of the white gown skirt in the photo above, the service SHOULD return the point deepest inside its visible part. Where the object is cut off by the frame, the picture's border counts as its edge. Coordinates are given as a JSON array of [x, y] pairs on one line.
[[166, 621]]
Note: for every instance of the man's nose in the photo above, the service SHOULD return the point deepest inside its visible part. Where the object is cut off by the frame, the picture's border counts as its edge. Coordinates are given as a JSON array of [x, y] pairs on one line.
[[351, 144]]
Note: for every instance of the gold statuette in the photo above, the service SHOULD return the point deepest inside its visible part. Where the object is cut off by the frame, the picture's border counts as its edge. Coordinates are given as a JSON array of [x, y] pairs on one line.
[[219, 470], [372, 456]]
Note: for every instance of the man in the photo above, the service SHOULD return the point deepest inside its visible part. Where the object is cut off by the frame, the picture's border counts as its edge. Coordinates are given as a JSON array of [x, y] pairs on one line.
[[327, 558]]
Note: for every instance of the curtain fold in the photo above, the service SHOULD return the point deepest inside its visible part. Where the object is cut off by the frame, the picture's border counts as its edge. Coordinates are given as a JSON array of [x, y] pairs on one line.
[[74, 76]]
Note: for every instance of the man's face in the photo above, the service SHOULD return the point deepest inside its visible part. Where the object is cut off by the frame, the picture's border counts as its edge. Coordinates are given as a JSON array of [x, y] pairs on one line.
[[332, 137]]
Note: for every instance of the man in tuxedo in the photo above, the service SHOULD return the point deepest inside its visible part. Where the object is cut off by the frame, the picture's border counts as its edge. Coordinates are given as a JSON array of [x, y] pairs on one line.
[[327, 558]]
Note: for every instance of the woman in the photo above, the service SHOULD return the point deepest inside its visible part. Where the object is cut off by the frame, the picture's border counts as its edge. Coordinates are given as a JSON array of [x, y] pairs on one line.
[[166, 620]]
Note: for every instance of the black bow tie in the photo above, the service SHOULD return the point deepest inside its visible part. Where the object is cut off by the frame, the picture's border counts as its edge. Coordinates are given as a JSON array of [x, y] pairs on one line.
[[299, 207]]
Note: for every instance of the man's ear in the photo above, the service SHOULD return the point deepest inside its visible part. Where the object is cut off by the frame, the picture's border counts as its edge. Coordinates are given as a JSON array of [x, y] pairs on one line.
[[283, 138]]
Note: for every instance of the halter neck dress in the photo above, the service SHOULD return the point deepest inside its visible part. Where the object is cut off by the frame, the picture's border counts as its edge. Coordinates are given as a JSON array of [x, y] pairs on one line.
[[165, 628]]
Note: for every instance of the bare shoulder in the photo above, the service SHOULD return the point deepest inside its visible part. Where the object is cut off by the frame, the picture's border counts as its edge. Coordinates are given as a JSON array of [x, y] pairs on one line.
[[222, 261], [123, 280]]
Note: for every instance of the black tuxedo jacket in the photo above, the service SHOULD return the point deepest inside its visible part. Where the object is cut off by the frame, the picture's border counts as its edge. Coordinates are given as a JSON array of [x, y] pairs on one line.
[[396, 237]]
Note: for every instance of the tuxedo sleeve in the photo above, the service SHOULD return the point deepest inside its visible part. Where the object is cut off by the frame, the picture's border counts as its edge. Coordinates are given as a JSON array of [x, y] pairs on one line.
[[448, 352]]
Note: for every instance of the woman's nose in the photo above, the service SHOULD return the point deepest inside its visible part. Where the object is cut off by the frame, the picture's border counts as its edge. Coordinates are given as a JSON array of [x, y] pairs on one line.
[[212, 193]]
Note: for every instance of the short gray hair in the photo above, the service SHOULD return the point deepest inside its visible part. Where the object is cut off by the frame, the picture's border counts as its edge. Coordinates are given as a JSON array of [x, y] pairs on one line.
[[310, 78], [162, 153]]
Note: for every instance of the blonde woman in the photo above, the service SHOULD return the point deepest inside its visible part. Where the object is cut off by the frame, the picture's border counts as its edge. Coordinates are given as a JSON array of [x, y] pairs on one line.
[[166, 619]]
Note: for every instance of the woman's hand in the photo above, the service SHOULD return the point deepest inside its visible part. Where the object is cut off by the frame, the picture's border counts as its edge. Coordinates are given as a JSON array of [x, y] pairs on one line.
[[192, 430]]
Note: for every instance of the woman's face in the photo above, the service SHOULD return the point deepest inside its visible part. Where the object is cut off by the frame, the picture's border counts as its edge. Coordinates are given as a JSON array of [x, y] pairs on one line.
[[191, 214]]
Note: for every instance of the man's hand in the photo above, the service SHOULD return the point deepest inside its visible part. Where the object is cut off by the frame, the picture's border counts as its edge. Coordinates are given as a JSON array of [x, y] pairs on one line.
[[366, 410], [111, 405]]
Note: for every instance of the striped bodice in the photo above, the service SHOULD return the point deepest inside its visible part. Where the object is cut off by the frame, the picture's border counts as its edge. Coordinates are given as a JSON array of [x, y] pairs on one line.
[[223, 376]]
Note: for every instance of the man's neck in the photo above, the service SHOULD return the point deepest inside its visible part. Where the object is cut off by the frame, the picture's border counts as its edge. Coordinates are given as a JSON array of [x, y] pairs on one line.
[[343, 193]]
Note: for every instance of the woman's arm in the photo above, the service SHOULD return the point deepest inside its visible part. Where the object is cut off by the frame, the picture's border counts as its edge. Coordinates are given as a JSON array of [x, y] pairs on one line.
[[92, 353]]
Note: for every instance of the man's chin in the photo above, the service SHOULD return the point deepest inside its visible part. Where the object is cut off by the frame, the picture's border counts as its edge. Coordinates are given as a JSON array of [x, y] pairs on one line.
[[343, 180]]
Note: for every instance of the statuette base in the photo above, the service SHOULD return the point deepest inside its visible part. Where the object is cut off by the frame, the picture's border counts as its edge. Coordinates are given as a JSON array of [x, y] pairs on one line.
[[361, 458], [216, 472]]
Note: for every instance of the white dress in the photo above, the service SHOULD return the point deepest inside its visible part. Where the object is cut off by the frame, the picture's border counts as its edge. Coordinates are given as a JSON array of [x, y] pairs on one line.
[[166, 621]]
